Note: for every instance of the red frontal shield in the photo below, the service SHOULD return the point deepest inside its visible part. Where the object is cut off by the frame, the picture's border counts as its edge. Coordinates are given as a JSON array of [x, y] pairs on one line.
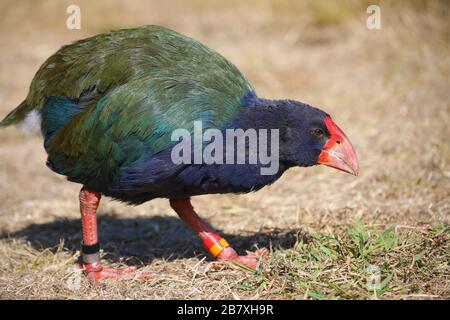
[[338, 152]]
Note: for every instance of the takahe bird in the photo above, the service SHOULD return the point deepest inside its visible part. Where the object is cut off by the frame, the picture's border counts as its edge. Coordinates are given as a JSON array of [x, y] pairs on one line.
[[107, 107]]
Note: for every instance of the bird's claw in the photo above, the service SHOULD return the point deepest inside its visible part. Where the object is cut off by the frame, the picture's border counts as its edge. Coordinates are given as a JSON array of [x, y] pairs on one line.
[[97, 273], [252, 260]]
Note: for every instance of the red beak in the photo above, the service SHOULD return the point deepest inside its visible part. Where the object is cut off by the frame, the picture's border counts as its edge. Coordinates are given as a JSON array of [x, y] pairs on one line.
[[338, 152]]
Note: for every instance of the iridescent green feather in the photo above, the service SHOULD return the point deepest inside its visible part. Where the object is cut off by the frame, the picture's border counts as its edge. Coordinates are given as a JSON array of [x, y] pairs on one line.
[[145, 82]]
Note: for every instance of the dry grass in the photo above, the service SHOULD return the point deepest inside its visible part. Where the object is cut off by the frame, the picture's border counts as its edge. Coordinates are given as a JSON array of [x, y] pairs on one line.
[[389, 90]]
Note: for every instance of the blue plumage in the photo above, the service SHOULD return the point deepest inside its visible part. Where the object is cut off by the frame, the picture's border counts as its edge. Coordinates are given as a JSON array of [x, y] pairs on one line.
[[157, 176]]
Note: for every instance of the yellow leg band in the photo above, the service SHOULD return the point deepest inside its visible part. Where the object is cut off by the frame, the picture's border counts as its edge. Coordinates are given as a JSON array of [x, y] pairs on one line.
[[218, 247]]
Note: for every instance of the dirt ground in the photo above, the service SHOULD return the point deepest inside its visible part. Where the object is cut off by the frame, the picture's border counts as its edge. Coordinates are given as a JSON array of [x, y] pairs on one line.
[[388, 89]]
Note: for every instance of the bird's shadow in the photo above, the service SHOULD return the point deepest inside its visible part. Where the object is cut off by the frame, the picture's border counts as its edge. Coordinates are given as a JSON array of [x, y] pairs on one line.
[[138, 240]]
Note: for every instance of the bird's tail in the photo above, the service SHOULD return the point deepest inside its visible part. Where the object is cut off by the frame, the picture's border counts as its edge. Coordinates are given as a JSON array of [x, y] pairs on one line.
[[27, 118], [16, 116]]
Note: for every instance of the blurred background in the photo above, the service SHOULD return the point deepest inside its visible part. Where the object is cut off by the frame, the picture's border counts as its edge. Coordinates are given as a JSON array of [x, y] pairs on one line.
[[388, 89]]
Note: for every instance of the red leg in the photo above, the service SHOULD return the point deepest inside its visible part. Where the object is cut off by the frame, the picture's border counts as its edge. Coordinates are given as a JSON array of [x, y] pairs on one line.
[[90, 248], [212, 241]]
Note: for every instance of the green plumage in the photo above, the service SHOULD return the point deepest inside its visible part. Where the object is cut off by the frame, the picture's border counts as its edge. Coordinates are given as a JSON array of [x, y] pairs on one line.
[[130, 88]]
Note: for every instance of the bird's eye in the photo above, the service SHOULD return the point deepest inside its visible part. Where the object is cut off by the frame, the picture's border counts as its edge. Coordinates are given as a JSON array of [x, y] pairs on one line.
[[318, 132]]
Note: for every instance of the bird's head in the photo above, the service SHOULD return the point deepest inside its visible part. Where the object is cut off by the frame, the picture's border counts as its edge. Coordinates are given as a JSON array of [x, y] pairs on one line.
[[310, 136]]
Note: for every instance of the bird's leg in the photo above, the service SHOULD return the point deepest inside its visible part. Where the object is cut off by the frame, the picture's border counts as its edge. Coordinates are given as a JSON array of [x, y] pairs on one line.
[[217, 246], [90, 247]]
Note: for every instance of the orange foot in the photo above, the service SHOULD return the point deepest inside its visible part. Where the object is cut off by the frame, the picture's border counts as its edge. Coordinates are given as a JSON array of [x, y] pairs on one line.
[[252, 260], [95, 272]]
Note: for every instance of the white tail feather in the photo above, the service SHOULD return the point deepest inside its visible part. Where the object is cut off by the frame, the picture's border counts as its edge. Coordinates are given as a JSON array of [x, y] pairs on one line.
[[31, 125]]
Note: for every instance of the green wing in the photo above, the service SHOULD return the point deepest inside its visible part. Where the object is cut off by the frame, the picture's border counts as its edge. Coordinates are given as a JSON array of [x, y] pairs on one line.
[[132, 88]]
